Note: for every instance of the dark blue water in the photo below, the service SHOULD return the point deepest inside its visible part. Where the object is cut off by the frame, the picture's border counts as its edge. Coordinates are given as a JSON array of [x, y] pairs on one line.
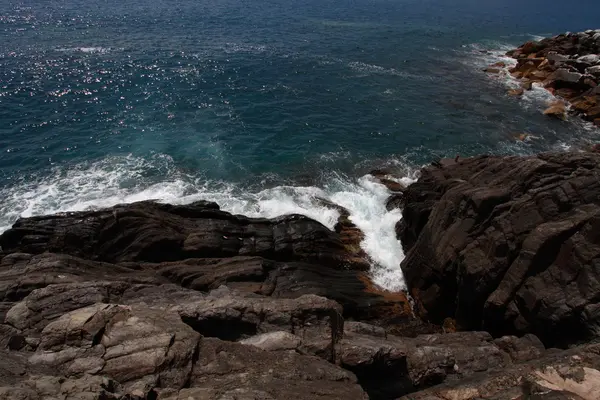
[[260, 105]]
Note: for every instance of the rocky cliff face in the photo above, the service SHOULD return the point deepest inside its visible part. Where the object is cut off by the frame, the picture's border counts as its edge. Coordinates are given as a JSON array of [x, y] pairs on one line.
[[154, 301], [508, 245]]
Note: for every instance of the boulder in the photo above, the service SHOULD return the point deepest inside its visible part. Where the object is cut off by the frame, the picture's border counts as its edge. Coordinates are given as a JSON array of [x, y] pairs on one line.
[[593, 113], [135, 346], [584, 104], [557, 110], [595, 70], [530, 47], [566, 76], [556, 58], [274, 341], [21, 273], [44, 387], [42, 306], [516, 92], [566, 70], [592, 59], [505, 244], [111, 351], [527, 84], [526, 348], [566, 93], [389, 366], [492, 70], [394, 202], [284, 280]]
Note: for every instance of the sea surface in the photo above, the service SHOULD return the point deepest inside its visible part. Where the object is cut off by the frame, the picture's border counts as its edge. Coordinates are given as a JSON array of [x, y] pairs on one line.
[[263, 106]]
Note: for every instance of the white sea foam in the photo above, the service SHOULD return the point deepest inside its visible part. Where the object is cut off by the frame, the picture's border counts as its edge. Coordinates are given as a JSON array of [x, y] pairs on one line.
[[371, 69], [365, 199], [333, 156], [562, 146], [120, 180], [98, 49], [484, 55], [537, 96], [537, 38], [232, 48]]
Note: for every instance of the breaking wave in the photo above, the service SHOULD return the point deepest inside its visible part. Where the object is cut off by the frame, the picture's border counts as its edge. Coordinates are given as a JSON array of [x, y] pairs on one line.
[[127, 179]]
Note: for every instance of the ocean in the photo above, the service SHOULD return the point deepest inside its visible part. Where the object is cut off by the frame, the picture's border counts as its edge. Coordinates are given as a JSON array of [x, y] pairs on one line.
[[263, 106]]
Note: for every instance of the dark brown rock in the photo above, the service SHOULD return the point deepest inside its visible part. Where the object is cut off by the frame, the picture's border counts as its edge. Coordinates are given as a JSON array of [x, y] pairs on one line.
[[136, 346], [21, 273], [394, 202], [516, 92], [491, 70], [531, 47], [196, 246], [557, 110], [232, 370], [136, 352], [568, 375], [507, 244], [153, 232], [227, 316], [153, 301], [389, 366]]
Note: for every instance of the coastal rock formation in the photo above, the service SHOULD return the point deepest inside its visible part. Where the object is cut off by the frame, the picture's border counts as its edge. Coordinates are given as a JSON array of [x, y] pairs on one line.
[[150, 300], [196, 246], [568, 375], [509, 245], [568, 65], [154, 301]]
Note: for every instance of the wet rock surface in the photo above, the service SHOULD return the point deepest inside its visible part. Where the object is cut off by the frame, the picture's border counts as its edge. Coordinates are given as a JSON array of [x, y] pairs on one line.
[[568, 65], [153, 301]]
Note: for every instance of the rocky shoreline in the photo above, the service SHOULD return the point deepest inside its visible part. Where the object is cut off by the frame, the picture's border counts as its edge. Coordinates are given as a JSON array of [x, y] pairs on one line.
[[568, 66], [156, 301]]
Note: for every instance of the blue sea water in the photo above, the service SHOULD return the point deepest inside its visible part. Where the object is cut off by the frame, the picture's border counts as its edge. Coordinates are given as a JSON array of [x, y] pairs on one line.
[[262, 106]]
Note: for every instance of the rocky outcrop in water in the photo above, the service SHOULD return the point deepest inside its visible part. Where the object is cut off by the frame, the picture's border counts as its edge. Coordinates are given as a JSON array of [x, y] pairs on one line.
[[201, 248], [508, 244], [567, 65], [154, 301]]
